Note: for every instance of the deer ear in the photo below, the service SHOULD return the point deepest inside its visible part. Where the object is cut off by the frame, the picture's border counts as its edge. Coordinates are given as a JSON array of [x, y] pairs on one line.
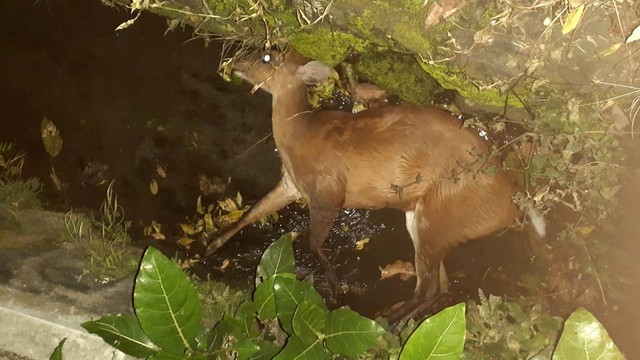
[[314, 72]]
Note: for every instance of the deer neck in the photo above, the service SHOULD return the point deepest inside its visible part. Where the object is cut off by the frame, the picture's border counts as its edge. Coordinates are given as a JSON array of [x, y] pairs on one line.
[[289, 112]]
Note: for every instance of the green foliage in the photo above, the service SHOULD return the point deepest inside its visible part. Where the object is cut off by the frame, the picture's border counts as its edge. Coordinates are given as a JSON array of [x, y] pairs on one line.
[[124, 330], [104, 240], [449, 324], [277, 259], [57, 353], [500, 329], [15, 193], [585, 338], [167, 305], [399, 74], [20, 194], [219, 299], [287, 319], [577, 162], [325, 45]]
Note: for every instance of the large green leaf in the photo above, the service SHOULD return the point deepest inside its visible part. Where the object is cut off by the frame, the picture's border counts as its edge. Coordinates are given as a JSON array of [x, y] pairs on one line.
[[221, 336], [228, 340], [166, 303], [277, 259], [349, 333], [289, 293], [438, 337], [584, 337], [166, 355], [124, 333], [265, 300], [268, 350], [247, 313], [57, 352], [296, 350], [244, 348], [309, 321]]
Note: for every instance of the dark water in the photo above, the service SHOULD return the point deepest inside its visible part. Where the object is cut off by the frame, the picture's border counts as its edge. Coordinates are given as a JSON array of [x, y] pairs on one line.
[[139, 99]]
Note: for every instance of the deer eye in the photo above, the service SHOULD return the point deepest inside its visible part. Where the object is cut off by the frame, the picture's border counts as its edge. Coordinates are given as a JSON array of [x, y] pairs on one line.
[[266, 59]]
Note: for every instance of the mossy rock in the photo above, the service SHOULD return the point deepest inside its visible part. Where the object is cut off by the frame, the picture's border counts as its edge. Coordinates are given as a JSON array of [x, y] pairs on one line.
[[399, 74]]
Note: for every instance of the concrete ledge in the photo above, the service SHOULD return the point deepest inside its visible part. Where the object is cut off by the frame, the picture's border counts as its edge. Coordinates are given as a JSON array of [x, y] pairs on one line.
[[32, 325]]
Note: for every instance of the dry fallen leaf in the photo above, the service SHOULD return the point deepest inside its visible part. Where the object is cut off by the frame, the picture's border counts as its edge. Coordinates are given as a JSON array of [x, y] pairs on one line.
[[573, 19], [158, 236], [618, 118], [162, 172], [610, 50], [153, 186], [585, 230], [188, 229], [437, 12], [225, 264], [185, 241]]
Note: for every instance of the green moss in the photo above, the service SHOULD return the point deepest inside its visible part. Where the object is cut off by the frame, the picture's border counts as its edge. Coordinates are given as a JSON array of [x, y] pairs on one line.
[[223, 7], [454, 79], [398, 25], [389, 26], [289, 20], [399, 74], [327, 46]]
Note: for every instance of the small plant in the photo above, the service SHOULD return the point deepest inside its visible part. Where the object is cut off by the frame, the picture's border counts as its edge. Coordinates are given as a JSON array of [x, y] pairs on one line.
[[104, 240], [16, 193], [218, 298], [500, 329]]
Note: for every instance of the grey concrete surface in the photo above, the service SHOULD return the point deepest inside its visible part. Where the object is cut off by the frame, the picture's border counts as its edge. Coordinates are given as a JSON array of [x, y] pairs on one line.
[[45, 293], [31, 326]]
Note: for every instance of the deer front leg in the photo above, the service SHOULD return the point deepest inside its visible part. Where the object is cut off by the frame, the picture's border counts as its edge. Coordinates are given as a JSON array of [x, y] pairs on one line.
[[282, 195]]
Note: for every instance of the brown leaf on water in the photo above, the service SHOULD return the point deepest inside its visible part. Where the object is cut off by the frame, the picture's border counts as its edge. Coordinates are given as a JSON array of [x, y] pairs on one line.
[[404, 269], [361, 243]]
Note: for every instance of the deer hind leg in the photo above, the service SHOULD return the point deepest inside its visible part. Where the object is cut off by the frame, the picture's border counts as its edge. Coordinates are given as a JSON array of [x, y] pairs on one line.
[[322, 218], [430, 273]]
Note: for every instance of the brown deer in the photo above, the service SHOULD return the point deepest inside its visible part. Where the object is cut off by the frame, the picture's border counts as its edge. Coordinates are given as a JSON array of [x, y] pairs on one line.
[[415, 159]]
